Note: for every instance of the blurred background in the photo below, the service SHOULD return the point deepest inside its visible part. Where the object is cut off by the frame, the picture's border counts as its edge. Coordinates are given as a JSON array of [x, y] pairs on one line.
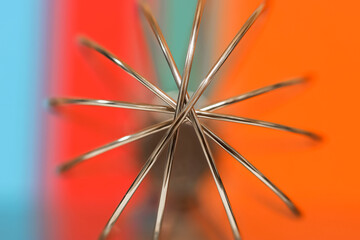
[[41, 58], [23, 25]]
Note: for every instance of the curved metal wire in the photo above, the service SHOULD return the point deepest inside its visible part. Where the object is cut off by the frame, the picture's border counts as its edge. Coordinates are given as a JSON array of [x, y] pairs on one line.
[[183, 111]]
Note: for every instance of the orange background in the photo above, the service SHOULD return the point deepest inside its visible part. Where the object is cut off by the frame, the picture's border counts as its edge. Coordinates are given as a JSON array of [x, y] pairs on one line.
[[319, 40]]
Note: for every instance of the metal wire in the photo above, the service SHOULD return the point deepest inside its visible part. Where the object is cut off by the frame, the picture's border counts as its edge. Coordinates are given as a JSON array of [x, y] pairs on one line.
[[183, 111]]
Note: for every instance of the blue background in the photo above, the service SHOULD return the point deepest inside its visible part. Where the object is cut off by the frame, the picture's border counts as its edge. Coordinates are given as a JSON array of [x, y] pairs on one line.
[[21, 74]]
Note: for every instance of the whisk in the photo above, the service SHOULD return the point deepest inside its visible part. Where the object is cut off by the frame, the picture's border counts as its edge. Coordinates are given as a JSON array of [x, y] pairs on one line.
[[183, 112]]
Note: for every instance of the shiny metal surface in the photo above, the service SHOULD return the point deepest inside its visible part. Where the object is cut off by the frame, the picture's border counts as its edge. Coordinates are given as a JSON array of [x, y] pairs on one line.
[[184, 112], [169, 110], [117, 143], [158, 92], [253, 170], [175, 125], [182, 84], [259, 123], [251, 94], [181, 97], [108, 103]]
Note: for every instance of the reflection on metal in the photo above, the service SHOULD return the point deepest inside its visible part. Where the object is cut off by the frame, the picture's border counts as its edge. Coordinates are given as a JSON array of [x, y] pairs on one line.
[[183, 111]]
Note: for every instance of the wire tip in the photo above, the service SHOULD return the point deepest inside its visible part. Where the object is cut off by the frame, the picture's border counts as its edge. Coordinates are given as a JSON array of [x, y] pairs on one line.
[[82, 40], [314, 136], [52, 102], [296, 212], [317, 137], [263, 5], [61, 169], [143, 5]]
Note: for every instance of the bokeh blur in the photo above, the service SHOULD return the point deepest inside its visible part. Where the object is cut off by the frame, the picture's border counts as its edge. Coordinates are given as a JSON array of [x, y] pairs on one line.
[[23, 47], [41, 58]]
